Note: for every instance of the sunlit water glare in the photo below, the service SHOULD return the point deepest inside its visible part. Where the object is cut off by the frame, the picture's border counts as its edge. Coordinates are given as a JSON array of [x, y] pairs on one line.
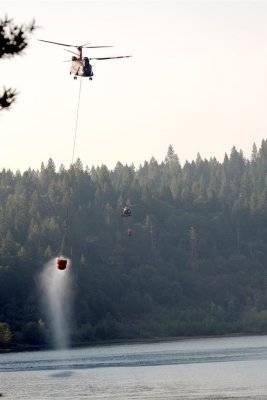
[[196, 369]]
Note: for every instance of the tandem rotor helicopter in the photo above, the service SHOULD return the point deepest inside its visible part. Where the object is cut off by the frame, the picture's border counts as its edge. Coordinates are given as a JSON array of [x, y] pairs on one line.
[[80, 66]]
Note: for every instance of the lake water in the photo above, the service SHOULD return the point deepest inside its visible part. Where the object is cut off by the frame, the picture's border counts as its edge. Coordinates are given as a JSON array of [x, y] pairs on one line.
[[210, 368]]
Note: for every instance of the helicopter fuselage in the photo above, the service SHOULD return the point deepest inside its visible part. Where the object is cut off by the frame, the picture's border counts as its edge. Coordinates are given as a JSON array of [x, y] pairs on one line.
[[81, 67]]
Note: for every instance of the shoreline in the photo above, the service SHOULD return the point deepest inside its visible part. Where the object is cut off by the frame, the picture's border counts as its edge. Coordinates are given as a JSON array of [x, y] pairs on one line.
[[17, 348]]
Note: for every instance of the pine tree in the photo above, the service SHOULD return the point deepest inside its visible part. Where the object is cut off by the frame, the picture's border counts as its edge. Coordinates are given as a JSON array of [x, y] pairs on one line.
[[13, 40]]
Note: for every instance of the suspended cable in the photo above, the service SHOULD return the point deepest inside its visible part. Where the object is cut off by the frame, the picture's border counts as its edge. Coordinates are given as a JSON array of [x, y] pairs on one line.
[[76, 124], [69, 176]]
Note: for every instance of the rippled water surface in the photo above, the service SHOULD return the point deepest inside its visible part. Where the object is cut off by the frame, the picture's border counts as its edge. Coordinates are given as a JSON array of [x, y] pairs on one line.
[[212, 368]]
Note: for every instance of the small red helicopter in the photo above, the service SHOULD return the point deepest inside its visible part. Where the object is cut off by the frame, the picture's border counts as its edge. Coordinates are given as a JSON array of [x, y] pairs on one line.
[[80, 66]]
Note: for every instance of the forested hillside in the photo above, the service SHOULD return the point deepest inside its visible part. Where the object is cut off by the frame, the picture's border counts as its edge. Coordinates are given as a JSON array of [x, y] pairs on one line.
[[196, 263]]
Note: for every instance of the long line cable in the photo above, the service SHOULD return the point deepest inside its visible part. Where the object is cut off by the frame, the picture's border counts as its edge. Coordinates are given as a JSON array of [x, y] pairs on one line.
[[76, 123], [70, 176]]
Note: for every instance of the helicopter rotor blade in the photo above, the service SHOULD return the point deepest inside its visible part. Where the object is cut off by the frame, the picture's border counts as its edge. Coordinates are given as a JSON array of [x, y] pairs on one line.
[[72, 52], [61, 44], [71, 45], [94, 47], [91, 47], [108, 58]]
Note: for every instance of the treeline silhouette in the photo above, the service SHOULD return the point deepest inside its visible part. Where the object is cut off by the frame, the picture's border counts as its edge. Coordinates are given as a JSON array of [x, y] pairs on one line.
[[196, 263]]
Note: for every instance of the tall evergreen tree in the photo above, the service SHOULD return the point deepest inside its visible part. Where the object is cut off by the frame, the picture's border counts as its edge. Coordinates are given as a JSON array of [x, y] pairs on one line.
[[13, 40]]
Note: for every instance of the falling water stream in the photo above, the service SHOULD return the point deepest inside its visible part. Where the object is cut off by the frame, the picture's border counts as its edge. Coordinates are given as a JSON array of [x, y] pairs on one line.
[[56, 287]]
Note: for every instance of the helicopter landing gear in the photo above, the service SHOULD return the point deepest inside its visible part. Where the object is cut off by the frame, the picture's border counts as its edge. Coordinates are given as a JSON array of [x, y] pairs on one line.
[[90, 79]]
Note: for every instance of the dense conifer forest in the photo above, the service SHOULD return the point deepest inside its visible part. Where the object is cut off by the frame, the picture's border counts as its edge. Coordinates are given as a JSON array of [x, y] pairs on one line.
[[196, 263]]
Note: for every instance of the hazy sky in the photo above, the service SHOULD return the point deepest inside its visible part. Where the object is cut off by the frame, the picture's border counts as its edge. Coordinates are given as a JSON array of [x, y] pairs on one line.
[[197, 81]]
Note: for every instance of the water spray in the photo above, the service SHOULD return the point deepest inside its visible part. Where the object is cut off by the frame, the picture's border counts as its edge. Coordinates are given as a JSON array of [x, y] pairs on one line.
[[56, 287]]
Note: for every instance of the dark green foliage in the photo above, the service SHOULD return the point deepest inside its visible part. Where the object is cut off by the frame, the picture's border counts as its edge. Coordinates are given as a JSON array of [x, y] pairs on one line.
[[195, 264], [5, 333], [33, 333], [13, 40]]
